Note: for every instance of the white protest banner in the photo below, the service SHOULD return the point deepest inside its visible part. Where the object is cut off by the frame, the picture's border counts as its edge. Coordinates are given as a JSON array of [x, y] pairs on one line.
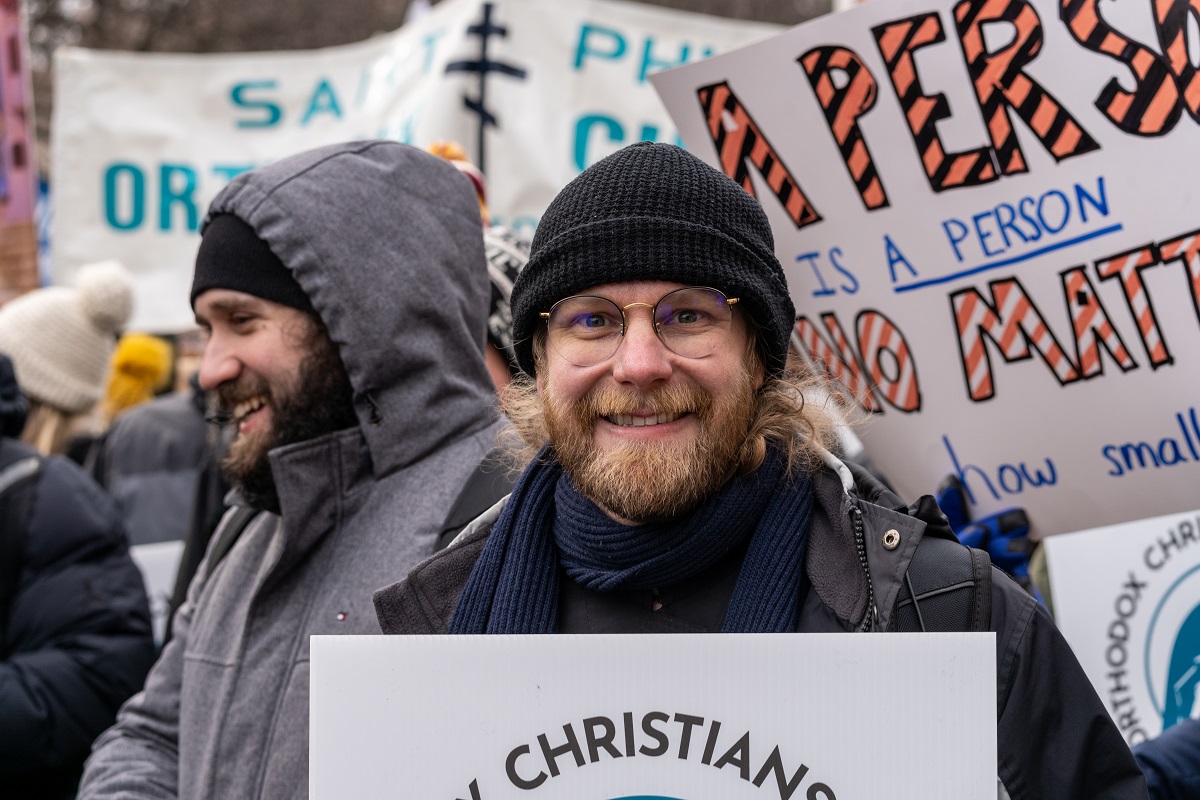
[[990, 237], [1127, 599], [766, 717], [535, 90], [159, 563]]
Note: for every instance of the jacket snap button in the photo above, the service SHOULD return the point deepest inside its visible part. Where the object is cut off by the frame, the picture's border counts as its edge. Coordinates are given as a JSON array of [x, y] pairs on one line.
[[891, 539]]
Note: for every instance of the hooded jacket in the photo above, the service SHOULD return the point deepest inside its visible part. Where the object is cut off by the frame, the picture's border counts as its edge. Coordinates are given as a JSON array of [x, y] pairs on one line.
[[386, 242], [1054, 736]]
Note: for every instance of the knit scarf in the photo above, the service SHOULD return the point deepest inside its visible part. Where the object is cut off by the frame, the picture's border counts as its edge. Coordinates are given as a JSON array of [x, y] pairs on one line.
[[547, 522]]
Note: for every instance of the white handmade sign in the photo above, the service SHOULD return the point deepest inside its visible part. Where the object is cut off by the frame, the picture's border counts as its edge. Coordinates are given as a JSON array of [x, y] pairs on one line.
[[990, 234], [765, 717], [1127, 599], [535, 90]]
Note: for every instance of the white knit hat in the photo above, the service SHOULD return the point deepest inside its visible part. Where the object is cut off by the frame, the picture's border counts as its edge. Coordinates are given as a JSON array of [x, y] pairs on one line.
[[60, 339]]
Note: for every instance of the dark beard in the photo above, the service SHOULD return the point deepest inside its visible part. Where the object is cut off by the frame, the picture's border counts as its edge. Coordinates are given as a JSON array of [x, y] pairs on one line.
[[320, 402]]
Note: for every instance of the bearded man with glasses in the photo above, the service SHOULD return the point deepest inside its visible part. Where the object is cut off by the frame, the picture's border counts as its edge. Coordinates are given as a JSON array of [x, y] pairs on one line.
[[677, 481]]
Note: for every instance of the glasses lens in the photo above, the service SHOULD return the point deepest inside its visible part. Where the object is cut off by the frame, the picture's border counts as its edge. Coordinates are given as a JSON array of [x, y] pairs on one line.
[[693, 322], [584, 330]]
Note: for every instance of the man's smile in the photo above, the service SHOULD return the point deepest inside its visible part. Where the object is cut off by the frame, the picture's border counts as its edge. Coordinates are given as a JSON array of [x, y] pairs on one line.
[[245, 413], [638, 421]]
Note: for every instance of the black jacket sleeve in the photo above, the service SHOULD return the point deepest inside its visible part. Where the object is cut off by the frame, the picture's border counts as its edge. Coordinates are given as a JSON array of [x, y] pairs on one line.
[[1054, 736], [79, 638]]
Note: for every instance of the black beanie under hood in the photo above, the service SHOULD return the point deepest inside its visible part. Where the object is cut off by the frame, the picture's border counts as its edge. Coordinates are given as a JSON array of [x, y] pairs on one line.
[[649, 212], [232, 256]]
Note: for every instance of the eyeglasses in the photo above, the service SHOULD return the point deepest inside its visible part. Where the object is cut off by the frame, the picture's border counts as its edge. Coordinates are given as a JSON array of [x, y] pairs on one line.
[[587, 329]]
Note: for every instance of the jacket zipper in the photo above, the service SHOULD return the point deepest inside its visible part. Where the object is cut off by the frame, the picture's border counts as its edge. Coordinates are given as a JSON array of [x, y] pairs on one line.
[[860, 544]]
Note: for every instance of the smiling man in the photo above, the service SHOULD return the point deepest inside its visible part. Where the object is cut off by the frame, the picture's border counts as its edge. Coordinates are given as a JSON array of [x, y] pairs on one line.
[[344, 294], [678, 482]]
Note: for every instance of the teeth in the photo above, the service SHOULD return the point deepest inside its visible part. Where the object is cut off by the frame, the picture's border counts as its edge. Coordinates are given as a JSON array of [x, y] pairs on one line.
[[628, 420], [247, 407]]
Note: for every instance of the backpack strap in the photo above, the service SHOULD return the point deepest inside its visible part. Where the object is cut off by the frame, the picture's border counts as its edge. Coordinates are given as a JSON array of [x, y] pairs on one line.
[[489, 483], [18, 470], [947, 588]]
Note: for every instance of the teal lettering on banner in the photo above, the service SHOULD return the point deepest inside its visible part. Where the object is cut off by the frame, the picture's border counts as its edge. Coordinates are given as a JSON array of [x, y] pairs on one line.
[[133, 199], [652, 64], [588, 32], [612, 131], [272, 113], [429, 44], [231, 171], [583, 134], [172, 195], [323, 101]]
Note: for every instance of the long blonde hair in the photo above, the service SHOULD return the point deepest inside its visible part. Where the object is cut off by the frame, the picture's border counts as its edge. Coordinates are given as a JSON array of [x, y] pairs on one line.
[[49, 430]]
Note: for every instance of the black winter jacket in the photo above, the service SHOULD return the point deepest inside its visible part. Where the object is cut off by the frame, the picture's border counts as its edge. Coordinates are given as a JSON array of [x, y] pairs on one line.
[[77, 643], [1055, 739]]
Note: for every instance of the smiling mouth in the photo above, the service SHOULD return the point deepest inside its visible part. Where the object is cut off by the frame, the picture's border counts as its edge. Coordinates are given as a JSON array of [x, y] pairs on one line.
[[246, 408], [630, 421]]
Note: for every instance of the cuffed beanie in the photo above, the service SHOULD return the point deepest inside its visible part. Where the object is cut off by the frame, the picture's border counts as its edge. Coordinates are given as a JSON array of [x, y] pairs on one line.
[[651, 212], [60, 338], [232, 256]]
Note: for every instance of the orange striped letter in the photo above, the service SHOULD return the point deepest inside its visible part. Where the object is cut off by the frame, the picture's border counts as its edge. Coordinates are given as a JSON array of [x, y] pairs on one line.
[[739, 141], [842, 109], [1153, 107], [897, 42], [1000, 83]]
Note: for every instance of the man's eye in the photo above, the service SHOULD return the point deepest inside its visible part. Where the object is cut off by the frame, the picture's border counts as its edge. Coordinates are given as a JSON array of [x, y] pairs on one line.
[[239, 320], [590, 321]]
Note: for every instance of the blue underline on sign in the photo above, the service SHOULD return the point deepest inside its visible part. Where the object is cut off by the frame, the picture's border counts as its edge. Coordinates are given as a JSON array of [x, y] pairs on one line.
[[1050, 248]]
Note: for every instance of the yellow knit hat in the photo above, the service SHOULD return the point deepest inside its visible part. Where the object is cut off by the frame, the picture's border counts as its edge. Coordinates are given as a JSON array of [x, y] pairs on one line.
[[141, 367]]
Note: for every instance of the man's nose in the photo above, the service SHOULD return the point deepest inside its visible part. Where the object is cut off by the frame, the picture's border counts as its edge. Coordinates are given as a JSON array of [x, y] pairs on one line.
[[641, 359], [218, 365]]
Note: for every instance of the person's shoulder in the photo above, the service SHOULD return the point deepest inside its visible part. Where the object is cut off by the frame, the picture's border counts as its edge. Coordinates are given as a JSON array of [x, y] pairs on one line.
[[424, 601], [70, 513]]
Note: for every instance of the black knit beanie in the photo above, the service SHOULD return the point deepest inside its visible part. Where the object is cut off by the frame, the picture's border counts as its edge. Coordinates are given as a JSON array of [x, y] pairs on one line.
[[232, 256], [655, 212]]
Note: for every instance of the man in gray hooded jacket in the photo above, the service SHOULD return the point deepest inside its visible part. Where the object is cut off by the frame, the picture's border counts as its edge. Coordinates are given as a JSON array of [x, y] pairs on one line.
[[344, 292]]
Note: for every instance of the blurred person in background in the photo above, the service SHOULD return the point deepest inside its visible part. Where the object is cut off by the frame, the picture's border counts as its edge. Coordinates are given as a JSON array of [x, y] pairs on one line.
[[74, 624], [60, 340], [143, 366], [506, 254]]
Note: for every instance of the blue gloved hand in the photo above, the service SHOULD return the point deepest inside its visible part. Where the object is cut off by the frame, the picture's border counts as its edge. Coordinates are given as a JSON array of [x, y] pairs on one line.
[[1004, 536]]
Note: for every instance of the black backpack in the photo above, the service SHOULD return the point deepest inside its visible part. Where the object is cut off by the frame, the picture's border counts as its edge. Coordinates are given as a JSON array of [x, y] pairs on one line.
[[19, 467], [947, 589]]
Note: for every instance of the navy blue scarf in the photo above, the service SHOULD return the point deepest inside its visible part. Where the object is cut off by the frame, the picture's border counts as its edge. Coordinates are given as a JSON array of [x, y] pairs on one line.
[[547, 522]]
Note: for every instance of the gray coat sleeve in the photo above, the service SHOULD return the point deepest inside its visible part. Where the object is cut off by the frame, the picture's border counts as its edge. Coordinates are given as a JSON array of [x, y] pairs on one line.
[[138, 758]]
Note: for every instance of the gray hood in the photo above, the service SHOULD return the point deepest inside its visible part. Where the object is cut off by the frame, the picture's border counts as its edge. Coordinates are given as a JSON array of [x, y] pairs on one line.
[[387, 242]]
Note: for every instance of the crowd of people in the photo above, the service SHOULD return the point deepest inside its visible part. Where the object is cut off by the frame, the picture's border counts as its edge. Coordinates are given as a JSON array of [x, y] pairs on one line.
[[412, 422]]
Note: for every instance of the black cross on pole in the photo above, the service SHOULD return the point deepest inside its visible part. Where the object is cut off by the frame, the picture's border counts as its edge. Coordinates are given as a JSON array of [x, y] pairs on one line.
[[481, 66]]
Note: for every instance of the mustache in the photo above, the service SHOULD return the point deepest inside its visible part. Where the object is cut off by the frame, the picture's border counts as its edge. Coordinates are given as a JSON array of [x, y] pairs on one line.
[[675, 399], [228, 395]]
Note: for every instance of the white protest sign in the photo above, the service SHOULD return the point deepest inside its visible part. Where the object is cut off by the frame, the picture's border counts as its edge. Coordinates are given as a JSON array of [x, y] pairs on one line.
[[760, 716], [159, 563], [535, 90], [990, 234], [1127, 599]]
